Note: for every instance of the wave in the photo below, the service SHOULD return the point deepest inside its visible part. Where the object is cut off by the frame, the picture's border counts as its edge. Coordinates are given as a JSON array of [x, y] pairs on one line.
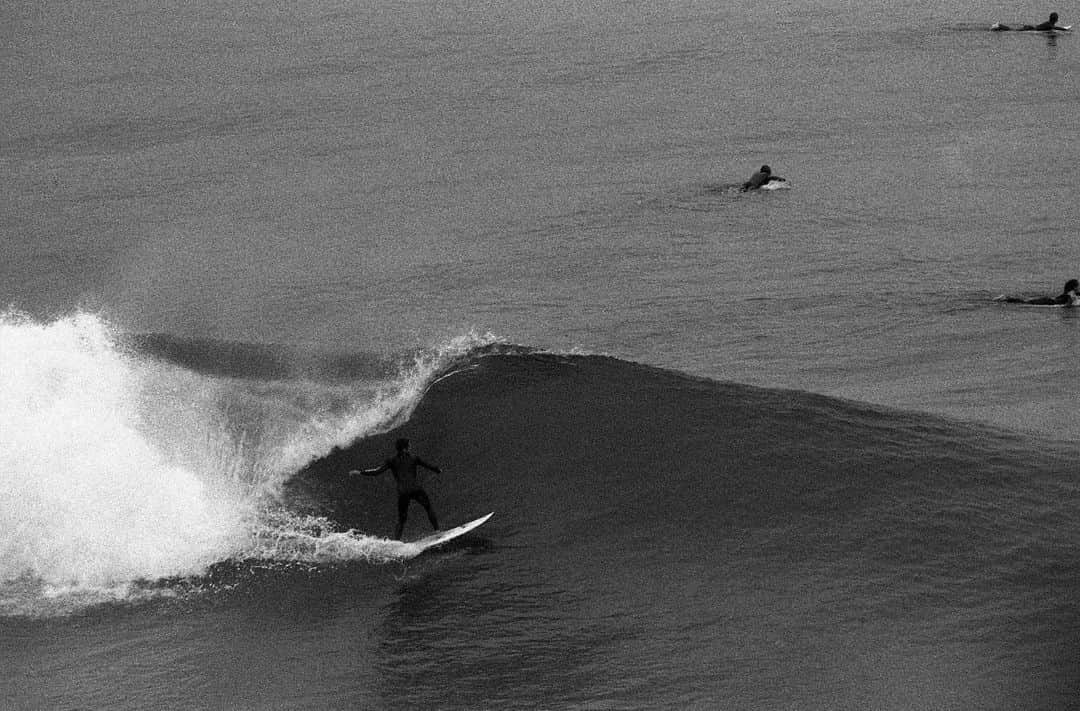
[[565, 442], [121, 466], [602, 456]]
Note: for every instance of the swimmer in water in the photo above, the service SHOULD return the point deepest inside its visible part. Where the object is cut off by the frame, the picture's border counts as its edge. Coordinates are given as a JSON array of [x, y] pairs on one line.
[[763, 176], [1069, 296]]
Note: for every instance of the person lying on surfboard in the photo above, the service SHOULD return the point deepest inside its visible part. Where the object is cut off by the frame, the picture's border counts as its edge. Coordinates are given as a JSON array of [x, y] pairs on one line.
[[762, 176], [1069, 296], [403, 465], [1048, 26]]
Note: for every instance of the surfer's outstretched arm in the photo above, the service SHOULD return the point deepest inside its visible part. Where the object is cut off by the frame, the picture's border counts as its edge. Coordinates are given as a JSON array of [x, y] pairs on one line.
[[375, 471], [429, 467]]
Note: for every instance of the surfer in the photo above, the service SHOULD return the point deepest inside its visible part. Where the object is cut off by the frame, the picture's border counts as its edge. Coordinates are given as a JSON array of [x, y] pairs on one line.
[[403, 465], [1048, 26], [1069, 296], [761, 177]]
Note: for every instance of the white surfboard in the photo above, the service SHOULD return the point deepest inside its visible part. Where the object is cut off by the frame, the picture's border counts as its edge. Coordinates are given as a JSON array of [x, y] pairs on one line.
[[443, 536], [998, 27], [1020, 301]]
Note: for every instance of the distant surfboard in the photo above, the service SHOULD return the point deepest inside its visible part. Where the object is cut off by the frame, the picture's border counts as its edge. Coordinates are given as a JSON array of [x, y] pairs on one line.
[[437, 539], [776, 184], [998, 27], [1020, 301]]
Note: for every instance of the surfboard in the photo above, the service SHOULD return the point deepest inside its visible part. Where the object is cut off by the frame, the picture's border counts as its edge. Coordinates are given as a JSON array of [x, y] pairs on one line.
[[441, 537], [998, 27], [1020, 301]]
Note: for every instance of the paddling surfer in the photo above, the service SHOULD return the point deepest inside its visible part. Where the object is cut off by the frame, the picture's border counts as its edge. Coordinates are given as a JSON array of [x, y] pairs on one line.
[[1048, 26], [403, 465], [761, 177], [1069, 296]]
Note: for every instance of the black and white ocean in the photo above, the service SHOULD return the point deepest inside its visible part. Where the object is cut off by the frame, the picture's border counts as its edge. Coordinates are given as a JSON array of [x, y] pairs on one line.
[[766, 450]]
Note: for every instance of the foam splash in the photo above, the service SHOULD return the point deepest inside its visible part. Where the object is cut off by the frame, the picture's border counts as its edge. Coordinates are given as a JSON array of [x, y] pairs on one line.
[[314, 539], [116, 469], [385, 406], [87, 497]]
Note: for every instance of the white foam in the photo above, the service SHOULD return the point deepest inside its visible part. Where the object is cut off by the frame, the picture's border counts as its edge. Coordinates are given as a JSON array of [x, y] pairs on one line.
[[87, 498], [313, 539], [116, 468]]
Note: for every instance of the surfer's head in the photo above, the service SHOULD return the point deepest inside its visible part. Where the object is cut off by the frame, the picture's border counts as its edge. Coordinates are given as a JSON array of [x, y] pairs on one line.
[[402, 444], [1053, 17], [765, 169], [1072, 285]]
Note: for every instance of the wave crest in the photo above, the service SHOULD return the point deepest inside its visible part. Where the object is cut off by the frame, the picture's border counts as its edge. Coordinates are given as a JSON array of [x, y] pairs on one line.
[[118, 467]]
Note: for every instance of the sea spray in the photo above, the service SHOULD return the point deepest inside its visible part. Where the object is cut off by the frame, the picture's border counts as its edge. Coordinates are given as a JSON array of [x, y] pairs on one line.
[[294, 538], [285, 424], [87, 497], [116, 467]]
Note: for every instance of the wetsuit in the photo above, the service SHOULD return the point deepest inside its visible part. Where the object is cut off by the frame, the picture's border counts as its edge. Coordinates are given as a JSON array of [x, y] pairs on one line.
[[763, 176], [403, 466], [420, 496], [1065, 299]]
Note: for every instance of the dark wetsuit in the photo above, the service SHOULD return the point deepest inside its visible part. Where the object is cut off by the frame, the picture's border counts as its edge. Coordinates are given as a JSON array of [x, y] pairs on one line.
[[403, 465], [760, 178], [1048, 26], [421, 497]]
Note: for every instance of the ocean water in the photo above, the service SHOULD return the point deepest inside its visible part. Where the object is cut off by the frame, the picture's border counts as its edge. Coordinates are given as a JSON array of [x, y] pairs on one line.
[[770, 450]]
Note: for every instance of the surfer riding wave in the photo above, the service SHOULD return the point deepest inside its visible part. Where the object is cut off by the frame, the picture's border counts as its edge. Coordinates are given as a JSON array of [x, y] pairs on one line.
[[403, 465]]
